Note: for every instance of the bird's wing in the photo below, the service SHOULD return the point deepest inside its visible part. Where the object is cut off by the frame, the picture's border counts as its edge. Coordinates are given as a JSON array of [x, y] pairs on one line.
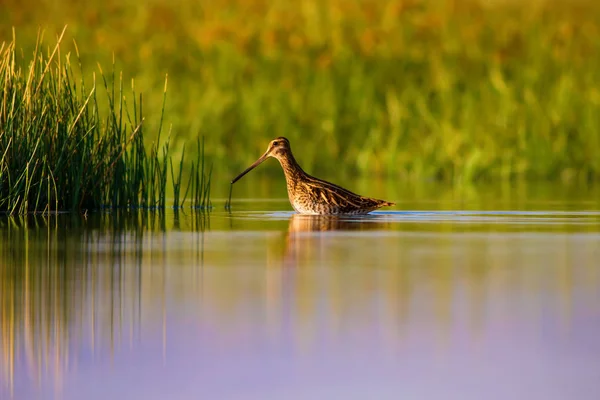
[[335, 195]]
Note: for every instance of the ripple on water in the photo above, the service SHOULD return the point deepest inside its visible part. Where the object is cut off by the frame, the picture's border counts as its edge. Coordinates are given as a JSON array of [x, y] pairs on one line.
[[464, 217]]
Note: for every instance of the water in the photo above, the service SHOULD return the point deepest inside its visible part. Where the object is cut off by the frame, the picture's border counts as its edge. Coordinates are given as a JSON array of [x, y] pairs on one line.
[[454, 294]]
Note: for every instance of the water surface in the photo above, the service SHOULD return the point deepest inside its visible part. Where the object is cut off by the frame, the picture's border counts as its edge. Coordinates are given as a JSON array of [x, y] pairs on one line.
[[456, 295]]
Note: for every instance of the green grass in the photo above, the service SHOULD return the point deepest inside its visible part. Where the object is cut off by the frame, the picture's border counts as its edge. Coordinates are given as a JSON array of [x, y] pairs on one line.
[[60, 150], [414, 89]]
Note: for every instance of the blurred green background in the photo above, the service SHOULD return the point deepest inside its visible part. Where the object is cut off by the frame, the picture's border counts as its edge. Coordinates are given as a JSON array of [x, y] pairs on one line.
[[459, 90]]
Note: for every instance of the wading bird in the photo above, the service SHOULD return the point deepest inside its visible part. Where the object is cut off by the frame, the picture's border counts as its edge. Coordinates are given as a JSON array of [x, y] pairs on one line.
[[310, 195]]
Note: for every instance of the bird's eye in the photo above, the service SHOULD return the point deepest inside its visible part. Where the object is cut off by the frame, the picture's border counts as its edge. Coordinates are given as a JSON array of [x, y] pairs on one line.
[[275, 143]]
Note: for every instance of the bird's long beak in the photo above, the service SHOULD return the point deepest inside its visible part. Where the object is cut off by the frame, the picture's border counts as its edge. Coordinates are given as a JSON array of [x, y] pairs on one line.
[[250, 168]]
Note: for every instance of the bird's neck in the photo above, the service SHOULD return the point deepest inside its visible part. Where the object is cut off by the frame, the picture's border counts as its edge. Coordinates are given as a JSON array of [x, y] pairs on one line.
[[291, 169]]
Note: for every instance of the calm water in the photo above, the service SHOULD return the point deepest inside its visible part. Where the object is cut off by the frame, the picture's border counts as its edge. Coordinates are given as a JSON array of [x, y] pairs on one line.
[[454, 294]]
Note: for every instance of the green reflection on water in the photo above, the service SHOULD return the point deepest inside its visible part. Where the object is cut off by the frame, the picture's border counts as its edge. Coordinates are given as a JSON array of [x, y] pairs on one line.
[[94, 285], [67, 280]]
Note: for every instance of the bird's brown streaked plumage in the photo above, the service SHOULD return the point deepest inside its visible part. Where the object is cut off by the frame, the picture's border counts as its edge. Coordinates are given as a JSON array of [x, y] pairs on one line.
[[310, 195]]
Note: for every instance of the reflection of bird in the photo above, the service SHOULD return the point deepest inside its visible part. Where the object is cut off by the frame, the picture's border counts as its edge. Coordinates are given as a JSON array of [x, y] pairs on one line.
[[322, 223], [307, 233], [310, 195]]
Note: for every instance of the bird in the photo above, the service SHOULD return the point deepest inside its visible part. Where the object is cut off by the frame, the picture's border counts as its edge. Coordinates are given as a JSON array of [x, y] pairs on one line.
[[310, 195]]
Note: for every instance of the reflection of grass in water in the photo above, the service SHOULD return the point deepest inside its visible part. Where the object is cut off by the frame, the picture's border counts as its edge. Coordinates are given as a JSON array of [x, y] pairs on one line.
[[420, 88], [58, 152], [35, 298], [69, 284]]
